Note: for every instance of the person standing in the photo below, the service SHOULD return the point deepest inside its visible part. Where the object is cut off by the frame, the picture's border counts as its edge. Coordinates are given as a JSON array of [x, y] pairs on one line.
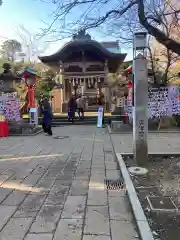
[[80, 107], [47, 117], [71, 109]]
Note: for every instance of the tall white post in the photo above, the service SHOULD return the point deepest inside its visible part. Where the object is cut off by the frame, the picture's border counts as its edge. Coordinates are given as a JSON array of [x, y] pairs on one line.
[[140, 105]]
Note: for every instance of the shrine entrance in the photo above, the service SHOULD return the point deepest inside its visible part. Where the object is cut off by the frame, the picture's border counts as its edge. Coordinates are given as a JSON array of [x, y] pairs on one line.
[[89, 87], [83, 65]]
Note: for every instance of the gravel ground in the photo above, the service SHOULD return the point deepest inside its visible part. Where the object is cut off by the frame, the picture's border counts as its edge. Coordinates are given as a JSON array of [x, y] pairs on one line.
[[163, 179]]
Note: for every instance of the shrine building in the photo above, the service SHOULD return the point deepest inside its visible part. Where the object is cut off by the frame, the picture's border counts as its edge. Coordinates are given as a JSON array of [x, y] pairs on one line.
[[83, 66]]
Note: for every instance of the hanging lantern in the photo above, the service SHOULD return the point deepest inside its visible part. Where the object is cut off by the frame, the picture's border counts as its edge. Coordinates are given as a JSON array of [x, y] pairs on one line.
[[129, 84]]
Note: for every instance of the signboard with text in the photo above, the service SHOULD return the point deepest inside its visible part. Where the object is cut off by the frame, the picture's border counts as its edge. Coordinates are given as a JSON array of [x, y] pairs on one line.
[[100, 117]]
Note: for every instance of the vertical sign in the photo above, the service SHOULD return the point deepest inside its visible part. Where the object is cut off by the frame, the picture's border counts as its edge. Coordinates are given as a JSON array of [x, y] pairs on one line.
[[100, 117], [140, 110]]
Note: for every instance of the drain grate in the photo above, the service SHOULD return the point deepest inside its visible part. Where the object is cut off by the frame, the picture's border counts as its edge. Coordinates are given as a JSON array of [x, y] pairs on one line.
[[161, 204], [61, 137], [115, 184]]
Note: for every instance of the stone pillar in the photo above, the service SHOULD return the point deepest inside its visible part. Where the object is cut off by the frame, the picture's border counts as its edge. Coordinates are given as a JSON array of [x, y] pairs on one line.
[[140, 110], [82, 86]]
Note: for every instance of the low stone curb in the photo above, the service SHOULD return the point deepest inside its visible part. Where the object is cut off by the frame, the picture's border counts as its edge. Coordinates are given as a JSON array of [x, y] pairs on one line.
[[140, 218], [157, 131], [110, 132], [156, 154], [26, 135]]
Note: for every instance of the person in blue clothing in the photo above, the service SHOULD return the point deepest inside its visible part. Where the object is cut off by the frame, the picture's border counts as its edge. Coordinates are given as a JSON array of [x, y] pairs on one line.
[[47, 117]]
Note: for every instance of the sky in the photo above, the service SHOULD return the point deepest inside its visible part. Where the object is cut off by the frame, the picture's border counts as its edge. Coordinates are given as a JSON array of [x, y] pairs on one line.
[[33, 14]]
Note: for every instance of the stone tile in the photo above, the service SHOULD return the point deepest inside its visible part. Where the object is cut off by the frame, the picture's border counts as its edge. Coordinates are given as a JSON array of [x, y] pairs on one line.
[[4, 177], [39, 237], [94, 215], [56, 198], [16, 229], [4, 193], [57, 195], [74, 207], [40, 169], [15, 198], [30, 206], [82, 174], [100, 166], [65, 179], [97, 171], [6, 212], [97, 175], [95, 237], [84, 165], [119, 209], [117, 194], [32, 179], [111, 165], [59, 187], [79, 187], [124, 229], [46, 219], [112, 174], [69, 229], [52, 172], [97, 184], [97, 197], [45, 184]]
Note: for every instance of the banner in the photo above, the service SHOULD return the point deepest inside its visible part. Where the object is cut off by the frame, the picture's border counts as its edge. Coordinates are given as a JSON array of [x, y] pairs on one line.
[[100, 117], [10, 107], [163, 101]]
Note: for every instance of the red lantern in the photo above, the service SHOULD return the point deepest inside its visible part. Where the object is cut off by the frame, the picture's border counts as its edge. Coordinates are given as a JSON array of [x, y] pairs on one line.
[[129, 84], [30, 80]]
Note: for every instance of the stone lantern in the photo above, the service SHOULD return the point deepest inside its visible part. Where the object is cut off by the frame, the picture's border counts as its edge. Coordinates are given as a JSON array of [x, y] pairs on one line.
[[7, 79]]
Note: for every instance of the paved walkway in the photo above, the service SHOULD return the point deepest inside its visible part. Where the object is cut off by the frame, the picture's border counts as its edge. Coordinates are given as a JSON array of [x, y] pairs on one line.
[[157, 142], [54, 188]]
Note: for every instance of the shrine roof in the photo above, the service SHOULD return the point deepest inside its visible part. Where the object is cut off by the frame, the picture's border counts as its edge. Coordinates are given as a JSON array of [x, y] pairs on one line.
[[83, 42]]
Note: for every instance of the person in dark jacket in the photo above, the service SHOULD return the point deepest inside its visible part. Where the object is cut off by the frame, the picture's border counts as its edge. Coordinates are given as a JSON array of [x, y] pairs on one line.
[[47, 116], [71, 109]]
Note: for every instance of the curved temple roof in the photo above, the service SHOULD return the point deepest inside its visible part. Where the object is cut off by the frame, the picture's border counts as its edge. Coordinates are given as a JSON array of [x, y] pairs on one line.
[[84, 43]]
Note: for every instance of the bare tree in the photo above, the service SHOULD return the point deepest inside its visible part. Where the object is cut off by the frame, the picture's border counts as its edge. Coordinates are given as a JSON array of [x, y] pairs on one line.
[[136, 14], [162, 58], [32, 46]]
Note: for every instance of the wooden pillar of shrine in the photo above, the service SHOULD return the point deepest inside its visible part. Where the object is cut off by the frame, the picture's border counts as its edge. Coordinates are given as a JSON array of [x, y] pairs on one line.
[[106, 88]]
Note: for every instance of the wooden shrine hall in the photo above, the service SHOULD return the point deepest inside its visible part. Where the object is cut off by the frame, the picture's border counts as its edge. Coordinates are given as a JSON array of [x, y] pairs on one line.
[[83, 66]]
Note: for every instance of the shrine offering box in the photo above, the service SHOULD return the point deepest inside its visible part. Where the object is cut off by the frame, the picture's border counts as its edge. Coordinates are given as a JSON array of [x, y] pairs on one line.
[[4, 130]]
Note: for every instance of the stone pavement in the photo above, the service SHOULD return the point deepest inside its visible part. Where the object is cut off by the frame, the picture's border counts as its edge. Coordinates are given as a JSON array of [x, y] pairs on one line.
[[53, 189], [157, 142]]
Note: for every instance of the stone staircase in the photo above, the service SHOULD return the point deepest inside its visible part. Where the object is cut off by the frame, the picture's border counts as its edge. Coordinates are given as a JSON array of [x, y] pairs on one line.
[[88, 120]]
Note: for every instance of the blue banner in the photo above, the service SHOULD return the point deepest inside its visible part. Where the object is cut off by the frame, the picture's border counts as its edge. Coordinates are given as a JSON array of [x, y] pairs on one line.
[[100, 117]]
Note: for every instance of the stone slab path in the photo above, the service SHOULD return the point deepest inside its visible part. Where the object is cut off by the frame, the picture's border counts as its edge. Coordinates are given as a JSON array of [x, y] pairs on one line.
[[157, 142], [53, 188]]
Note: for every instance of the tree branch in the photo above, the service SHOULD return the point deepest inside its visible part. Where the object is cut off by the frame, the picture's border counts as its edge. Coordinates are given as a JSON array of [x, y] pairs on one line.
[[101, 20], [158, 34]]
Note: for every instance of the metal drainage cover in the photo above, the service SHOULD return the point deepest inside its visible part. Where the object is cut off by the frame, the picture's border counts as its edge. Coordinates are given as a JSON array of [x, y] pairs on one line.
[[114, 184], [161, 203], [150, 190], [61, 137]]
